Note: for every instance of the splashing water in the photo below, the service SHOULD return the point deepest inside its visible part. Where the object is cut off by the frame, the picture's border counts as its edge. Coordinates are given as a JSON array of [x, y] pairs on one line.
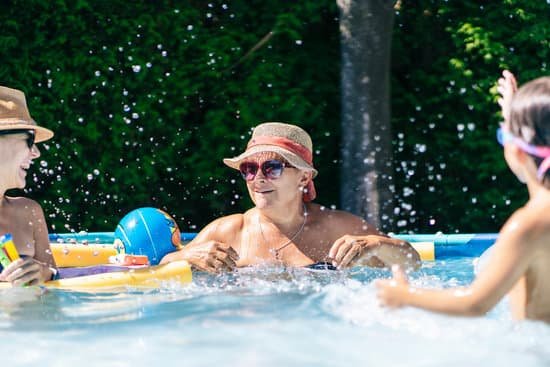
[[267, 316]]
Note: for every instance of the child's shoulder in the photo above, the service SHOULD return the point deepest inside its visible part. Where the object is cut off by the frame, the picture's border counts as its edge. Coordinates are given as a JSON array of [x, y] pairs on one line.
[[531, 223], [538, 208]]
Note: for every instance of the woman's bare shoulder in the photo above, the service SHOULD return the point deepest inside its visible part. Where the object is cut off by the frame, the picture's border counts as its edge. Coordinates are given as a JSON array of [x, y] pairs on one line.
[[21, 201], [346, 222], [24, 206], [223, 229], [231, 223]]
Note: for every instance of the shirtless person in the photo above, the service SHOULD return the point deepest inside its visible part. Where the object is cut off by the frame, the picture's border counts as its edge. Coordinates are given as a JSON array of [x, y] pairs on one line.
[[21, 217], [285, 227], [519, 262]]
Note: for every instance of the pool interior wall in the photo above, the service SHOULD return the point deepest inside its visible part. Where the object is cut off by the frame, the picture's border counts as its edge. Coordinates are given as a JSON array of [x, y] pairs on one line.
[[445, 245]]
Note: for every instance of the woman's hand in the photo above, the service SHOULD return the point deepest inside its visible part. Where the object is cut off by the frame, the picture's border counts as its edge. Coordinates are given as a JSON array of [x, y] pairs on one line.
[[507, 87], [348, 248], [211, 256], [374, 251], [392, 292], [26, 271]]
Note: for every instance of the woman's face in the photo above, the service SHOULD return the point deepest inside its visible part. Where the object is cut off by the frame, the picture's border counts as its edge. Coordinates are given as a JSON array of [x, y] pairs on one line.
[[265, 190], [16, 159]]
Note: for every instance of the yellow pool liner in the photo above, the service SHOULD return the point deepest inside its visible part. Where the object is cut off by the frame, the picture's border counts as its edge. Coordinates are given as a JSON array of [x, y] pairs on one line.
[[68, 255], [76, 255], [426, 250]]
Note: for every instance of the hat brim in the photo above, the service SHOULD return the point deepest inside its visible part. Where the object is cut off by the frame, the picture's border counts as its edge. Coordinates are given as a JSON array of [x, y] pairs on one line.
[[290, 157], [40, 133]]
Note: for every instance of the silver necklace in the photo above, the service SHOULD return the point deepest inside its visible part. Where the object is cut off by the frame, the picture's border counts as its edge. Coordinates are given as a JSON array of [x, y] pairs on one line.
[[277, 250]]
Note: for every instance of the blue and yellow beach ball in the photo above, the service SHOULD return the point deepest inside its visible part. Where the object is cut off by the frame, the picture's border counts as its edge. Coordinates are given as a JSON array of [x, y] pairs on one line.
[[147, 231]]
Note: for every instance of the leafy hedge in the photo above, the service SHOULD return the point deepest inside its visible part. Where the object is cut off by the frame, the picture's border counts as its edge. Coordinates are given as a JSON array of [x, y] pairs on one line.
[[447, 57], [146, 99]]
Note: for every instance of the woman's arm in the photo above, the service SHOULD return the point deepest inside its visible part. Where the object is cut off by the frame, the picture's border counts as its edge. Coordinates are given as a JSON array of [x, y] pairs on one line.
[[42, 251], [207, 251], [41, 266], [363, 244]]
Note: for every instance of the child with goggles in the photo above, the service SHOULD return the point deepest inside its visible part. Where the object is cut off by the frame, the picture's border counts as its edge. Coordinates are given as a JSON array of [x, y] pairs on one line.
[[285, 227], [518, 264], [21, 219]]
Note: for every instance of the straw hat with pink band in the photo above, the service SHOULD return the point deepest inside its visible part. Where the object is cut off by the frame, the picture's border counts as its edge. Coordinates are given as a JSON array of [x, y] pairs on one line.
[[289, 141], [14, 115]]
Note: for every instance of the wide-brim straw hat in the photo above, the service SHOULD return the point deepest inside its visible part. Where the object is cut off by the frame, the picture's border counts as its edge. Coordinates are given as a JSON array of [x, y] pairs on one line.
[[284, 139], [14, 114]]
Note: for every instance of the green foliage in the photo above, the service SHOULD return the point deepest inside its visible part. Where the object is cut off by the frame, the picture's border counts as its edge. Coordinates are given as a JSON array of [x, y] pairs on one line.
[[452, 175], [147, 97]]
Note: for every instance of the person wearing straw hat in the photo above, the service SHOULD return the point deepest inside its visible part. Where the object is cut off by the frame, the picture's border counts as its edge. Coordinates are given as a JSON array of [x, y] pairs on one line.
[[21, 217], [285, 227]]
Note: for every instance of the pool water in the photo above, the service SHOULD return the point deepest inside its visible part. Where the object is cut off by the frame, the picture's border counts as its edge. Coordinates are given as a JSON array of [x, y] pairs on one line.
[[263, 317]]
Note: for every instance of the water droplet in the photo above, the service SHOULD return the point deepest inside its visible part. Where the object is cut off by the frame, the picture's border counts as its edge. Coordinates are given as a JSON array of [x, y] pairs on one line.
[[421, 148]]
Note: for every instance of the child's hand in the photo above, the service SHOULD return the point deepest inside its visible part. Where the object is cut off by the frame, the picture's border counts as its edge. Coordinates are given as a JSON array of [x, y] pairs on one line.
[[391, 293], [507, 86], [23, 271]]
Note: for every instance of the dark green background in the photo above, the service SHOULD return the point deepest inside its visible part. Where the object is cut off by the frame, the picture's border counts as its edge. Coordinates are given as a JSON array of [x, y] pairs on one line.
[[147, 97]]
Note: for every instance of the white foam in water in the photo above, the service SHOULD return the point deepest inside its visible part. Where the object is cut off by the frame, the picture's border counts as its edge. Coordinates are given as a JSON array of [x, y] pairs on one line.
[[265, 317]]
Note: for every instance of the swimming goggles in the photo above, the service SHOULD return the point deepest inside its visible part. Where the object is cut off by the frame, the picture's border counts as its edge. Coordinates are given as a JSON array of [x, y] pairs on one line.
[[30, 135], [272, 169], [504, 136]]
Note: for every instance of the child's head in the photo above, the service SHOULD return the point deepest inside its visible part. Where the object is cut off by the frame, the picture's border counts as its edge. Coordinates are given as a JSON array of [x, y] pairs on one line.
[[530, 116]]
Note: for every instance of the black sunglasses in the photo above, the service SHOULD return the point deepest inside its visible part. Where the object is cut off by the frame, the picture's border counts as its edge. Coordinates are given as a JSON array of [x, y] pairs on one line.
[[30, 135], [272, 169]]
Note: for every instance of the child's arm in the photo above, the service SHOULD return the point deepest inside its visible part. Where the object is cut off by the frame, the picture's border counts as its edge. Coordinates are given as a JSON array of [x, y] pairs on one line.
[[509, 260], [507, 87]]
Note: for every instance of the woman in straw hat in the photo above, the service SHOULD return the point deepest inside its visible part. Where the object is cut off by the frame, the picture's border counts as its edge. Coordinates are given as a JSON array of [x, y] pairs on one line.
[[285, 227], [20, 217]]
